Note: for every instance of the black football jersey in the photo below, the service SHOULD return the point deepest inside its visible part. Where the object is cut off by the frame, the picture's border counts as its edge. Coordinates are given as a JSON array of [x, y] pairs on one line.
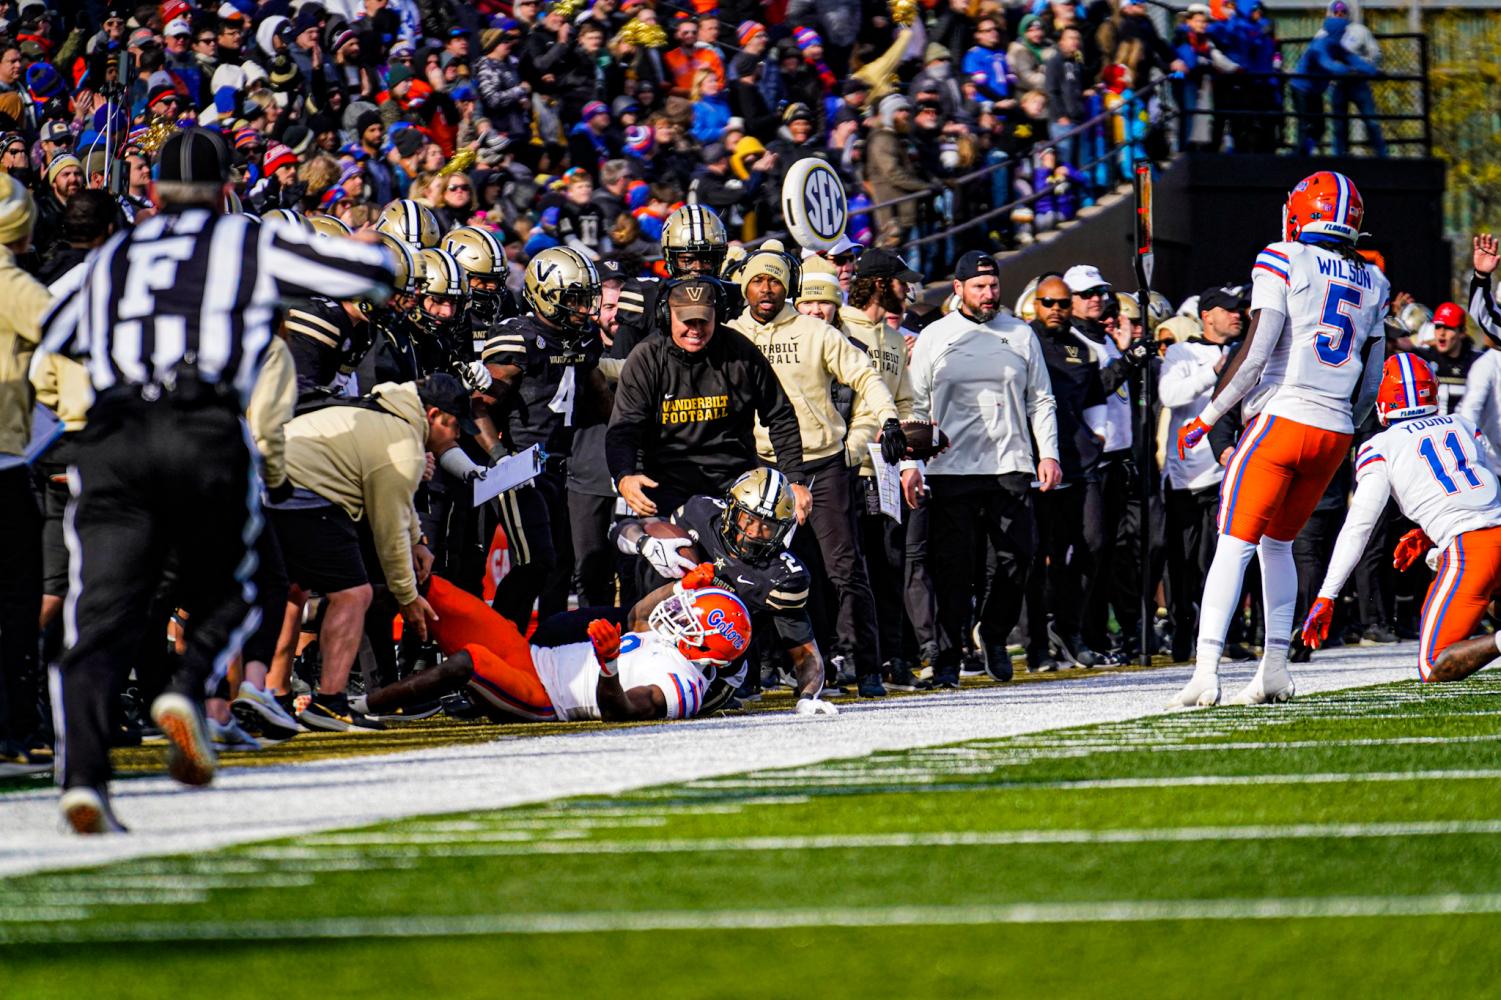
[[584, 222], [541, 408], [638, 304], [775, 594], [326, 344]]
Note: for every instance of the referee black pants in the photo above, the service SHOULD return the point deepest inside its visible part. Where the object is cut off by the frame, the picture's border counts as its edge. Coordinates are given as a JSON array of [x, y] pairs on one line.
[[151, 480], [20, 606], [965, 513]]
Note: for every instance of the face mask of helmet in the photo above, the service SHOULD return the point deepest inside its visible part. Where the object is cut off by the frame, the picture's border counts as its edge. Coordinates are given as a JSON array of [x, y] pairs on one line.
[[754, 539]]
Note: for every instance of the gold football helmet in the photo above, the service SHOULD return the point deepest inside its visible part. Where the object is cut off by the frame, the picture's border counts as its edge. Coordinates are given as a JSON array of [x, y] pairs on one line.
[[1158, 310], [759, 512], [694, 241], [477, 251], [412, 223], [409, 270], [289, 215], [327, 225], [562, 287], [442, 274]]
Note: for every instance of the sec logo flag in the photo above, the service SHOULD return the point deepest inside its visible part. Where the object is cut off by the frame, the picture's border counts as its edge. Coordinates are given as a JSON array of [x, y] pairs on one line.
[[814, 203]]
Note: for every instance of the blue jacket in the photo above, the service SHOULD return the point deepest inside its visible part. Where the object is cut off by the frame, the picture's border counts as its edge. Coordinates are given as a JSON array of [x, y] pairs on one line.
[[987, 69], [710, 116], [1326, 54]]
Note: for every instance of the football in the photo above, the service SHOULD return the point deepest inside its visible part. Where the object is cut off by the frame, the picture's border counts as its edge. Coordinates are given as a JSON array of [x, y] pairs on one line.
[[924, 439], [665, 529]]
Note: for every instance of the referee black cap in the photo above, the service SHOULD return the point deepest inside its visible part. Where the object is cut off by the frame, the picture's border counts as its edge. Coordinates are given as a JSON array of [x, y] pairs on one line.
[[193, 156], [445, 392]]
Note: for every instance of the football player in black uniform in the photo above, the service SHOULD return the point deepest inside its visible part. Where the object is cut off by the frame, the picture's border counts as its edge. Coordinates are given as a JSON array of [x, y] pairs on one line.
[[545, 366], [483, 259], [329, 339], [694, 244], [744, 538]]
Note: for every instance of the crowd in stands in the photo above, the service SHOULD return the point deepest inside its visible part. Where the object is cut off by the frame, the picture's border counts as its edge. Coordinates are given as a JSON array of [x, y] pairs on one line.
[[478, 137]]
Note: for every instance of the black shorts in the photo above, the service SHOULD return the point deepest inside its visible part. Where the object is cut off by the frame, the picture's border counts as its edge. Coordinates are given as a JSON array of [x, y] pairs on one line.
[[321, 548]]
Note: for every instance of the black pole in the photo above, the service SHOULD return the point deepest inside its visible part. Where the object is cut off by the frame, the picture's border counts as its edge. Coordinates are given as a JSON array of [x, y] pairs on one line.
[[1142, 186]]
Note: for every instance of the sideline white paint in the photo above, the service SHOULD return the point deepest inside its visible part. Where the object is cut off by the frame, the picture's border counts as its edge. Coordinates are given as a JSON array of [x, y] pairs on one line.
[[255, 804], [623, 921]]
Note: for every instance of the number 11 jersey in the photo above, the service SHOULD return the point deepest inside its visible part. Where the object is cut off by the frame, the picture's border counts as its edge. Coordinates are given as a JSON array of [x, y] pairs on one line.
[[1433, 467], [1332, 307]]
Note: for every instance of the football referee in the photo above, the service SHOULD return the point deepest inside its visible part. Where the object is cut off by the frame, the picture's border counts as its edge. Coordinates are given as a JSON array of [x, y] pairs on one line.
[[172, 321]]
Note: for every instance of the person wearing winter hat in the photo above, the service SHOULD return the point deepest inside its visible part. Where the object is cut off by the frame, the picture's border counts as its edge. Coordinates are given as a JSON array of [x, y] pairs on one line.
[[820, 295], [26, 299]]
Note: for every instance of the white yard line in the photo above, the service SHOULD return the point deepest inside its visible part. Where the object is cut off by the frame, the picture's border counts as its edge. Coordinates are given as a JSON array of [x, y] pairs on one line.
[[254, 804], [486, 843], [625, 921]]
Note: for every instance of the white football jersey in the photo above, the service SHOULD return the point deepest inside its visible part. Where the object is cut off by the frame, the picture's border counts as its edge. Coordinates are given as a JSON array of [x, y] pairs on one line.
[[1434, 468], [1332, 308], [570, 674]]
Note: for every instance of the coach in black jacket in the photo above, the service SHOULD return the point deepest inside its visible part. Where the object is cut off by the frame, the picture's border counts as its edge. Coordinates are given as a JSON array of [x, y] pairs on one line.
[[684, 419]]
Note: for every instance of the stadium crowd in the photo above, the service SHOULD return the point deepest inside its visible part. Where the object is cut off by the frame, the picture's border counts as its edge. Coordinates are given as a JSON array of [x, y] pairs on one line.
[[564, 194]]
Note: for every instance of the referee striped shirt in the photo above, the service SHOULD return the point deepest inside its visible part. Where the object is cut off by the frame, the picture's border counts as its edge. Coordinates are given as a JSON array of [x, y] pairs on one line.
[[196, 293]]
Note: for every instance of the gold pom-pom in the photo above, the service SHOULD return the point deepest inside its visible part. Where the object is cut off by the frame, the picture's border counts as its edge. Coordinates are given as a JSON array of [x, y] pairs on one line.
[[461, 162], [644, 35], [903, 12]]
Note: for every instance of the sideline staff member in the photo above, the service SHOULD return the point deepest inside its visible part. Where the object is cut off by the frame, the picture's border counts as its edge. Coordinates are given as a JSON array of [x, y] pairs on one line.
[[174, 319], [684, 419], [980, 375]]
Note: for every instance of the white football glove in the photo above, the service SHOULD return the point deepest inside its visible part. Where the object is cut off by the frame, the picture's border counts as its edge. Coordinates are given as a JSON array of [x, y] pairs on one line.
[[476, 376], [1432, 558], [815, 706], [666, 556]]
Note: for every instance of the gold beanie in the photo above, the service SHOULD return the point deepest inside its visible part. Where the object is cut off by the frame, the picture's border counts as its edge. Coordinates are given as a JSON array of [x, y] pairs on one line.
[[17, 211]]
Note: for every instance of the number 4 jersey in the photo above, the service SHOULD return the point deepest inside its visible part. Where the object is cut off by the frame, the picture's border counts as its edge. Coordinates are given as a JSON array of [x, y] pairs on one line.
[[1332, 306], [541, 409]]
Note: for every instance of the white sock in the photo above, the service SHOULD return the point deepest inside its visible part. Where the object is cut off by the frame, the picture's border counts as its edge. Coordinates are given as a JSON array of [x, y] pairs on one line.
[[1221, 597], [1279, 597]]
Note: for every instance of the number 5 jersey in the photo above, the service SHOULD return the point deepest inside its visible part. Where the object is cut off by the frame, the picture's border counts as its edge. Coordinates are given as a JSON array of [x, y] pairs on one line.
[[1332, 305]]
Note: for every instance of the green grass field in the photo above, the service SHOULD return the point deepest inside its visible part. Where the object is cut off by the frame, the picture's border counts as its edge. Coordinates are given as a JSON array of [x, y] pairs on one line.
[[1344, 843]]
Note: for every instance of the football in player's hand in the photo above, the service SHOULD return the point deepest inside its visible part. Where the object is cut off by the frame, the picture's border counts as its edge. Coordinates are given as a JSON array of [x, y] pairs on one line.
[[668, 530], [924, 439]]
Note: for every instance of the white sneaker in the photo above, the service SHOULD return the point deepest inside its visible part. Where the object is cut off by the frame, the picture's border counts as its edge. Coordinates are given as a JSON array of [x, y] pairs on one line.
[[1255, 693], [190, 752], [1197, 694], [261, 712], [86, 811], [231, 736]]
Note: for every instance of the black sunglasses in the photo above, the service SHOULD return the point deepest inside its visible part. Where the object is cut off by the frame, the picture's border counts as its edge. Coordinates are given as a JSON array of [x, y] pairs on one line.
[[1055, 303], [1093, 293]]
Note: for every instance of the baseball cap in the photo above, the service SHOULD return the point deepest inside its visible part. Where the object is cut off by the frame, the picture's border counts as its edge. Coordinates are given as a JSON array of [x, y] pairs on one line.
[[193, 155], [693, 300], [879, 263], [1083, 277], [973, 264], [1449, 315], [177, 27], [714, 152], [56, 131], [445, 392], [1221, 298]]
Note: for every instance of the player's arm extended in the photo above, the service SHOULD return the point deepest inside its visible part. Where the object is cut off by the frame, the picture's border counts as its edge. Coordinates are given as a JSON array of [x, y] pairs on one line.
[[808, 665], [642, 609], [1244, 370], [1371, 494], [617, 704]]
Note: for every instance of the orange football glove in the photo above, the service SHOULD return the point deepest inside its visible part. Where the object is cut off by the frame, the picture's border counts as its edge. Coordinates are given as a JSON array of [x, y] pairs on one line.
[[1410, 548], [698, 577], [1189, 435], [1316, 625], [606, 638]]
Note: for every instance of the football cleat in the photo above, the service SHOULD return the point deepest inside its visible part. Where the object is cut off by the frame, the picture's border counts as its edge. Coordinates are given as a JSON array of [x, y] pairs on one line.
[[1255, 693], [1197, 693], [86, 811], [190, 753]]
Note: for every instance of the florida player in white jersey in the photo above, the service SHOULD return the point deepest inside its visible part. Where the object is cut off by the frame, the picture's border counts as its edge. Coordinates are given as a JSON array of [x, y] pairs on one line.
[[660, 672], [1434, 465], [1306, 375]]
